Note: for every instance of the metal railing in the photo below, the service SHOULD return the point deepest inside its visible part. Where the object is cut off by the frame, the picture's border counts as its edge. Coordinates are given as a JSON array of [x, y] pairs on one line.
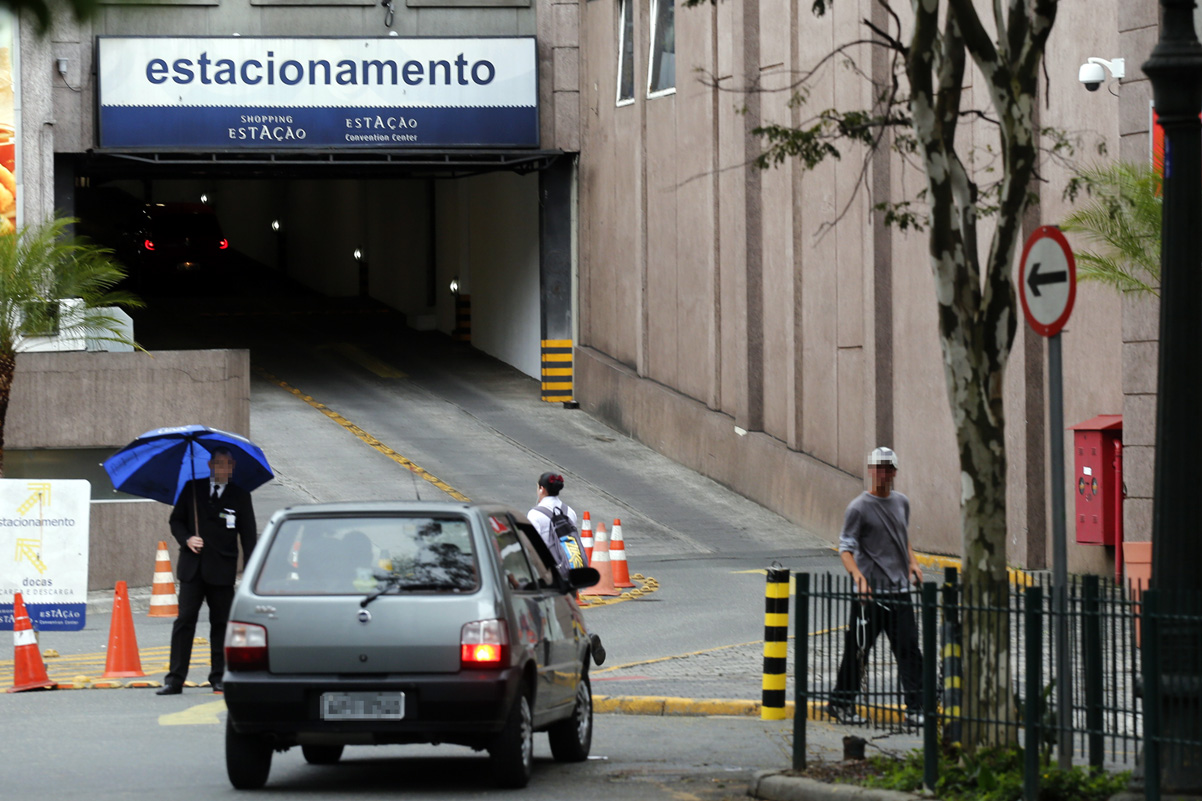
[[1118, 693]]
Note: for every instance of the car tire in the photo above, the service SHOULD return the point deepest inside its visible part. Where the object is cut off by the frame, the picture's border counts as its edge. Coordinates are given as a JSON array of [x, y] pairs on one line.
[[572, 739], [322, 754], [512, 752], [247, 758]]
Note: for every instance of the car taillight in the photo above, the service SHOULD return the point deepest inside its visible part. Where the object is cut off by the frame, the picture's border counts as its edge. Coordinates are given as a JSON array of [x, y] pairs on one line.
[[223, 244], [245, 647], [484, 644], [148, 244]]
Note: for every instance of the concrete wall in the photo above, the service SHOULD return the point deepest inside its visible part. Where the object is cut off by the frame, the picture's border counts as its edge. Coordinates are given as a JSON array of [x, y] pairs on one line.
[[104, 400], [779, 302], [488, 237]]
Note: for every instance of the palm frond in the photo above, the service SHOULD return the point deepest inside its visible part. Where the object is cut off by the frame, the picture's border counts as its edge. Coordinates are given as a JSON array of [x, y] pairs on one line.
[[1121, 220], [40, 267]]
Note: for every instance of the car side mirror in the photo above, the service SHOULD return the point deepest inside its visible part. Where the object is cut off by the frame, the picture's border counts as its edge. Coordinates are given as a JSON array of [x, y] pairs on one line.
[[580, 578]]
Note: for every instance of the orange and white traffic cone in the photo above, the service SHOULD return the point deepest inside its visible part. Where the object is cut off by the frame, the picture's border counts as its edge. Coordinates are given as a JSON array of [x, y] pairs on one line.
[[617, 556], [29, 672], [586, 538], [601, 563], [122, 659], [163, 600]]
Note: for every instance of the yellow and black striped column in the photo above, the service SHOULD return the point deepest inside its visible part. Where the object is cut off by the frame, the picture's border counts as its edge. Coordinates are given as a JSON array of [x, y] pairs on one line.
[[463, 319], [557, 370], [776, 643]]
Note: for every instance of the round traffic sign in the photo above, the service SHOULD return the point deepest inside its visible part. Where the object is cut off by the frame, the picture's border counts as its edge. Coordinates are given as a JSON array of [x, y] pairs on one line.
[[1047, 280]]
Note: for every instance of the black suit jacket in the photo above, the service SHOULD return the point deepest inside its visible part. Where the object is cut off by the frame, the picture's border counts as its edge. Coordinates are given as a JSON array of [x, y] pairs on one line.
[[217, 562]]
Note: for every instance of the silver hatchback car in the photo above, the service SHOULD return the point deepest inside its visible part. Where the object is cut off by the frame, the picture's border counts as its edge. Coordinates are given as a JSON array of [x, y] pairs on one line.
[[385, 623]]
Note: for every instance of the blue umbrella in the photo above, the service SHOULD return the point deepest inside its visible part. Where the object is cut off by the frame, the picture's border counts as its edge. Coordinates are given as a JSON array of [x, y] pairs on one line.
[[159, 463]]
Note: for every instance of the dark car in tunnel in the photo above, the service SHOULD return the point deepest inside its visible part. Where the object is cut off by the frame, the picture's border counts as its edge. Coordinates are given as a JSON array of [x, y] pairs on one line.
[[178, 239]]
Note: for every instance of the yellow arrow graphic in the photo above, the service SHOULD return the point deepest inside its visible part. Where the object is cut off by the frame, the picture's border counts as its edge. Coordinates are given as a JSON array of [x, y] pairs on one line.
[[199, 715]]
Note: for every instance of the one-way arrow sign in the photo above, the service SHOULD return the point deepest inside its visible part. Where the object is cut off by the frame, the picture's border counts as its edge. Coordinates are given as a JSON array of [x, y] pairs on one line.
[[1047, 281], [1035, 280]]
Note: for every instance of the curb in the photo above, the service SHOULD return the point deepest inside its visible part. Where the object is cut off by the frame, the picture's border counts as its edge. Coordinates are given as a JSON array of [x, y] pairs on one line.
[[776, 786], [664, 706]]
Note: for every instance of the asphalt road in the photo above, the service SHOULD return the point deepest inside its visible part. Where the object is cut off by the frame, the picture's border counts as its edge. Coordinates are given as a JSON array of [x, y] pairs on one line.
[[349, 405]]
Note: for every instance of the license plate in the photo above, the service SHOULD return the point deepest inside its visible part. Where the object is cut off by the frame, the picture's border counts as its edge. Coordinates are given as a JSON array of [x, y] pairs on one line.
[[362, 706]]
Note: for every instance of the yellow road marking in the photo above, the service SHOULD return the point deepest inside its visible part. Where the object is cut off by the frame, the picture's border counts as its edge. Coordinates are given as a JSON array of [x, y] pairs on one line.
[[199, 715], [364, 360], [371, 441]]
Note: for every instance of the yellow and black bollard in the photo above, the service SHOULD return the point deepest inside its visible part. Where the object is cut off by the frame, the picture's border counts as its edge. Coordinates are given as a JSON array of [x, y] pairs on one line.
[[953, 665], [776, 643]]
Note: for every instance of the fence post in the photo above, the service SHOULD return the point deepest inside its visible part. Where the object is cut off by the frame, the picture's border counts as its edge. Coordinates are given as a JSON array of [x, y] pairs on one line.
[[1150, 637], [1033, 627], [930, 726], [953, 670], [801, 670], [1092, 647], [776, 644]]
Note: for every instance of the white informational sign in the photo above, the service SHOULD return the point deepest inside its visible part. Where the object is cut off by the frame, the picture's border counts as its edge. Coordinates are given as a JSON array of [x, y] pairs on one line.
[[44, 551]]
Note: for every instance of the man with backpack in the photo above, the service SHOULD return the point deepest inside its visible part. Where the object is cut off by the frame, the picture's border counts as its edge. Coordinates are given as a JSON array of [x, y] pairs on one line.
[[555, 522]]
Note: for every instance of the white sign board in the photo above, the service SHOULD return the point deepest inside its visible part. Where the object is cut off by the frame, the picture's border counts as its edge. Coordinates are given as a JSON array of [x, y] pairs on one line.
[[44, 551], [1047, 281]]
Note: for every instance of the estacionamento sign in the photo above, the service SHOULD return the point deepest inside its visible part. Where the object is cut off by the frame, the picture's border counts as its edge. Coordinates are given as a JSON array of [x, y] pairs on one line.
[[246, 92]]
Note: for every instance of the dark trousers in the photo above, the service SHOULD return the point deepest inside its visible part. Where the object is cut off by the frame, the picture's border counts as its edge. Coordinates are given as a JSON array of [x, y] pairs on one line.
[[894, 615], [191, 595]]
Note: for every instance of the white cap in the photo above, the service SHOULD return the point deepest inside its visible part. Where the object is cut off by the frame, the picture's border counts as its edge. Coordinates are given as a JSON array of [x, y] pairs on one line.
[[883, 456]]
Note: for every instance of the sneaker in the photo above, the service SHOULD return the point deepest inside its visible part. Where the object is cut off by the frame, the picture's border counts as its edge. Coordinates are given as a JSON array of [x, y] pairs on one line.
[[846, 715], [915, 718]]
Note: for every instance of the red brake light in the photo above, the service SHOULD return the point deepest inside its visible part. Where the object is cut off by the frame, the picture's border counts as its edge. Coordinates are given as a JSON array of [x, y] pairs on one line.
[[484, 644], [223, 244], [148, 244], [245, 647]]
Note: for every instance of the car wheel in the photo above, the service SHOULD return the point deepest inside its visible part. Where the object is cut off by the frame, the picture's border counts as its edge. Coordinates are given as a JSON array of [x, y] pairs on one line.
[[247, 758], [572, 739], [512, 753], [322, 754]]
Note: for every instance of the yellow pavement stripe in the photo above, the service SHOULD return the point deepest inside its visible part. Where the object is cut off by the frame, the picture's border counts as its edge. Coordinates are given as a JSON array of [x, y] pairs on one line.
[[371, 441], [199, 715], [364, 360], [648, 586]]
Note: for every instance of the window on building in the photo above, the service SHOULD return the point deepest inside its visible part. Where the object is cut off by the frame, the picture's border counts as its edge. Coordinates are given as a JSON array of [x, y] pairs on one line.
[[626, 53], [661, 77]]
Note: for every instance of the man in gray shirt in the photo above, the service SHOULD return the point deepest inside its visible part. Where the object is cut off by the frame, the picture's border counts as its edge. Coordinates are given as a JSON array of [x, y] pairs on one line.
[[875, 548]]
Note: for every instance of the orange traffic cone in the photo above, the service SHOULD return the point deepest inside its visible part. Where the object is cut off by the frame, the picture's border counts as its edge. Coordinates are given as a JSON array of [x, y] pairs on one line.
[[600, 561], [29, 673], [617, 556], [586, 538], [163, 600], [122, 660]]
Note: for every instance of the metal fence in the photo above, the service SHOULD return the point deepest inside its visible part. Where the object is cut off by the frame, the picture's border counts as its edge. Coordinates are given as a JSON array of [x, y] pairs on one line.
[[1129, 705]]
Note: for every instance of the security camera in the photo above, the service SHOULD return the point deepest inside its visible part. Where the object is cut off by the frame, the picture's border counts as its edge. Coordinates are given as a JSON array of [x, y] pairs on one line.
[[1093, 72], [1092, 75]]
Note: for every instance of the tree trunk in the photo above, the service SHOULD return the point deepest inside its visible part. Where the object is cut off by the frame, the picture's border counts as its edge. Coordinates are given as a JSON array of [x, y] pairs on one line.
[[8, 366]]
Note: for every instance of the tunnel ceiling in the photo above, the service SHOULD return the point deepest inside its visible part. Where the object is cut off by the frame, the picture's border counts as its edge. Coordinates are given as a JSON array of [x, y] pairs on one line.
[[102, 165]]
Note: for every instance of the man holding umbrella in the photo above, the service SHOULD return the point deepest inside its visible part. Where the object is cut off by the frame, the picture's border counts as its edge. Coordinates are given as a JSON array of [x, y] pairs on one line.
[[209, 518]]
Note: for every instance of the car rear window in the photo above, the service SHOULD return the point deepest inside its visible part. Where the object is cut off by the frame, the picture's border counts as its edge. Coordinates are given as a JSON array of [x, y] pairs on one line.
[[179, 226], [341, 556]]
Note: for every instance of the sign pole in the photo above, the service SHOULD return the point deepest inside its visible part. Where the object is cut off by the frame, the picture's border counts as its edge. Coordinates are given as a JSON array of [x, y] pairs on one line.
[[1064, 676], [1047, 287]]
